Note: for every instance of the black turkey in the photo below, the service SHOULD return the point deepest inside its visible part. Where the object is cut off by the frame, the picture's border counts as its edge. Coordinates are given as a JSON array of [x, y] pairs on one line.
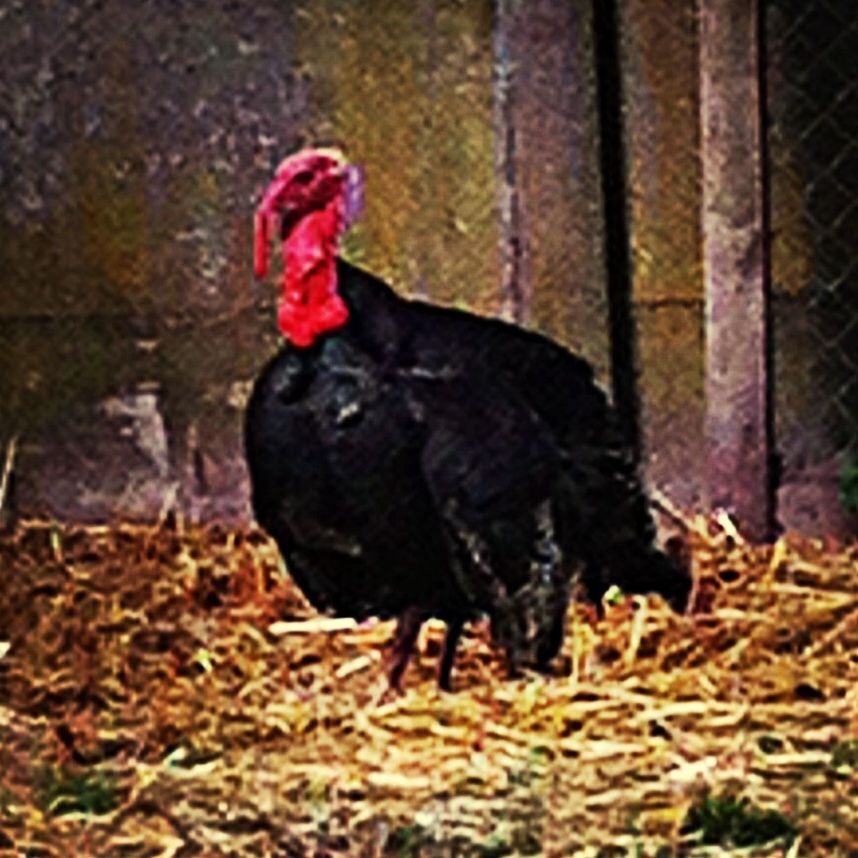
[[417, 461]]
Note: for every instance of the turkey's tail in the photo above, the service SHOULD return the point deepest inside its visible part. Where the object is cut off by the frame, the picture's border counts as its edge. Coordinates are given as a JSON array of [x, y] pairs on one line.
[[611, 525], [642, 569]]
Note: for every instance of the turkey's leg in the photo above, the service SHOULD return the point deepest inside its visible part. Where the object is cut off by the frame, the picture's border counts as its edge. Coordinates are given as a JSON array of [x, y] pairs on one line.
[[407, 629], [448, 654]]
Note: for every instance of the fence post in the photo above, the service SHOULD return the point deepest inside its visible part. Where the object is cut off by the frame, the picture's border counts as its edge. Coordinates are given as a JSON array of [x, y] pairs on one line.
[[734, 264]]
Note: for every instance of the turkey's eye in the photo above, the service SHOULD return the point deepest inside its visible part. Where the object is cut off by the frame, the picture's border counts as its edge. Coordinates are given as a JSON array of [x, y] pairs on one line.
[[303, 178]]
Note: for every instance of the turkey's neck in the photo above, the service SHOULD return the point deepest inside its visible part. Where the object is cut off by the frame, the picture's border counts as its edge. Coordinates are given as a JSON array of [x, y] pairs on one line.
[[310, 304]]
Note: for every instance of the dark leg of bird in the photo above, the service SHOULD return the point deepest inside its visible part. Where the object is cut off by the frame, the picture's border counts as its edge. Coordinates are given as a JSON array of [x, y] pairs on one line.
[[407, 629], [595, 588], [513, 662], [448, 654], [478, 580], [551, 642], [542, 602]]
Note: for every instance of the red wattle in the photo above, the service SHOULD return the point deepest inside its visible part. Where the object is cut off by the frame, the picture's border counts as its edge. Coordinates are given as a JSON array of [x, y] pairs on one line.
[[310, 305]]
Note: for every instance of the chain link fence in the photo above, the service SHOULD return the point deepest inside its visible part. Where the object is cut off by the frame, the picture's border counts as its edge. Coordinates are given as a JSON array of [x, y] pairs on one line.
[[813, 150], [811, 86]]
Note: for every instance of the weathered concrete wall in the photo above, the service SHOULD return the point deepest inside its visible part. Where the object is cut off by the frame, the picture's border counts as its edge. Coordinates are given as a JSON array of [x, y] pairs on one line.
[[406, 89], [738, 436], [136, 137], [662, 128]]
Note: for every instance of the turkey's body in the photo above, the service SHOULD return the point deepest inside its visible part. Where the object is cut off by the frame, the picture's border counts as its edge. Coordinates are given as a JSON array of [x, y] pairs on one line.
[[420, 461]]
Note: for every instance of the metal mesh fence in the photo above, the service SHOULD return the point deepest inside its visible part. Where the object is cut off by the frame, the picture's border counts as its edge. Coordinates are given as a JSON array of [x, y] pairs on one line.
[[813, 148], [812, 91]]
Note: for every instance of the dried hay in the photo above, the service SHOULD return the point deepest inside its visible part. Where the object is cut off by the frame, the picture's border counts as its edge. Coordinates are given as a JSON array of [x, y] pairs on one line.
[[170, 694]]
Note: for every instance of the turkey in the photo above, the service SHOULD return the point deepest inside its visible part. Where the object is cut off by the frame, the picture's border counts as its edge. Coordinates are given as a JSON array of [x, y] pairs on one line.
[[416, 461]]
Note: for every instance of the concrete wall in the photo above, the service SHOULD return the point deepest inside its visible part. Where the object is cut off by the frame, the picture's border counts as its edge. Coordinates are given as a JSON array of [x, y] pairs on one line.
[[136, 139]]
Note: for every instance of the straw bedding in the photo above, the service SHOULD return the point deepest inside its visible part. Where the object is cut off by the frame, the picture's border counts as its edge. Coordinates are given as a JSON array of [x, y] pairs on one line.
[[167, 692]]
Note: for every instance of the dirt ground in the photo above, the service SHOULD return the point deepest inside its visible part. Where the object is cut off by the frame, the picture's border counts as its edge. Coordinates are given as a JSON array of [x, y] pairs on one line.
[[167, 692]]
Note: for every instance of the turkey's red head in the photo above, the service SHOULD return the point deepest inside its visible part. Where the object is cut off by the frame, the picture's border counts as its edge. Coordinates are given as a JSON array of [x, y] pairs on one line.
[[314, 197]]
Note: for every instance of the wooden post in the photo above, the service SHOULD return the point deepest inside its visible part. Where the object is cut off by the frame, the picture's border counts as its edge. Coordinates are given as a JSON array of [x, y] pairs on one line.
[[738, 422]]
